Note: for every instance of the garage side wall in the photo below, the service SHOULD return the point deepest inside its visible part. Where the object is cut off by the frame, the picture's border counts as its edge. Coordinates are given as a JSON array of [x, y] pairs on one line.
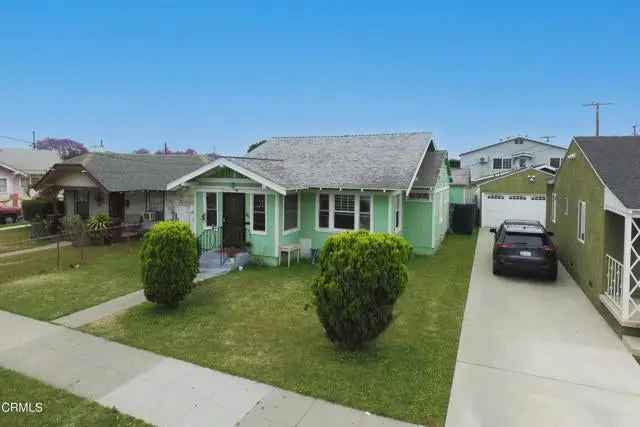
[[576, 181]]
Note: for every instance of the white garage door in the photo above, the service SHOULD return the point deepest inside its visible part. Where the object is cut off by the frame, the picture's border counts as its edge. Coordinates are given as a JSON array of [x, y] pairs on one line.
[[498, 207]]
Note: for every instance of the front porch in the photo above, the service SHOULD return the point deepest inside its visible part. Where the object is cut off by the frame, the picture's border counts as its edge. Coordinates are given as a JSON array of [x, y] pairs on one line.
[[621, 293]]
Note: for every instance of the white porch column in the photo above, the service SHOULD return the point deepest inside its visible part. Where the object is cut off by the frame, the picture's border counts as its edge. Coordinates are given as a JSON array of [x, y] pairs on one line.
[[626, 267]]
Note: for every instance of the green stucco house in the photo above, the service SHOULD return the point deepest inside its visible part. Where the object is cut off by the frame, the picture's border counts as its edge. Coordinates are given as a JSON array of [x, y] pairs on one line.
[[594, 213], [301, 190]]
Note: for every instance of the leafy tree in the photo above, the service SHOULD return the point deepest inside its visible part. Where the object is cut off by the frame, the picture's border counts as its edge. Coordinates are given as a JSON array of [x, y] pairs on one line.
[[141, 151], [169, 258], [255, 145], [67, 148], [361, 276], [188, 151]]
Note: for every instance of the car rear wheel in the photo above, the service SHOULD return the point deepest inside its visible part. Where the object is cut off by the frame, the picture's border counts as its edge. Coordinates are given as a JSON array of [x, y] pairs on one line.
[[496, 270]]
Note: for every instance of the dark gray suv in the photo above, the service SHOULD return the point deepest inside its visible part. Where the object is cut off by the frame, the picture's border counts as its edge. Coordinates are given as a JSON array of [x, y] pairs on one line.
[[524, 247]]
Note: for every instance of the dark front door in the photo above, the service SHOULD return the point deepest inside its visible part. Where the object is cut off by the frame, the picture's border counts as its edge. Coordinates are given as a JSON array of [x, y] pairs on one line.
[[233, 226], [116, 206]]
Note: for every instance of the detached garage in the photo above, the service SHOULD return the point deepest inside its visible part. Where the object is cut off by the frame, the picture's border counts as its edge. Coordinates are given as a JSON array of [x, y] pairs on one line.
[[516, 195]]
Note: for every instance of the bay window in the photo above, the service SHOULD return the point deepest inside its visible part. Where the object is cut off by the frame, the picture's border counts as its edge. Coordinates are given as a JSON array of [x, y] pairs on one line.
[[323, 211], [344, 211], [365, 212]]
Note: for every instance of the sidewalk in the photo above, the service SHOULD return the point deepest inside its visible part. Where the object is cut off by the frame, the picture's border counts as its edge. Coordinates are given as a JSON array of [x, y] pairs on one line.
[[36, 249], [159, 390]]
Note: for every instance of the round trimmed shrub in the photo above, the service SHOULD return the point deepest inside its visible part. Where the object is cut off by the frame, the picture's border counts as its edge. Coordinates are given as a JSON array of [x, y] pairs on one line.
[[169, 259], [362, 274]]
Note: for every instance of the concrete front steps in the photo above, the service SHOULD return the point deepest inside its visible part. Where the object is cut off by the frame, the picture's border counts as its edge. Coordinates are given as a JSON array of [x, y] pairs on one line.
[[212, 264]]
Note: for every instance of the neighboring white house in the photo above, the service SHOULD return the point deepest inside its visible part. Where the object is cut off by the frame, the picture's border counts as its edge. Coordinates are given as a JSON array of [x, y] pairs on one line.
[[511, 154], [20, 169]]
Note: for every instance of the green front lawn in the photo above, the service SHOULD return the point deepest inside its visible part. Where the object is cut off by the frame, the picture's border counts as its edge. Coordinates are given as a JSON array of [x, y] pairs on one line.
[[32, 285], [17, 239], [59, 408], [254, 324]]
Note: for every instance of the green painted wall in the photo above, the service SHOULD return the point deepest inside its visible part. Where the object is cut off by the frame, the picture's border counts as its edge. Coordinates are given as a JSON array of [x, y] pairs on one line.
[[381, 213], [519, 183], [417, 227], [456, 194], [585, 261], [421, 219], [263, 247]]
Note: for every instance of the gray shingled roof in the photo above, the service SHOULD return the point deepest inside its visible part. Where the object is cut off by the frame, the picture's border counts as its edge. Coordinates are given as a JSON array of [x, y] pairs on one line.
[[617, 160], [511, 139], [29, 161], [133, 172], [460, 176], [376, 162]]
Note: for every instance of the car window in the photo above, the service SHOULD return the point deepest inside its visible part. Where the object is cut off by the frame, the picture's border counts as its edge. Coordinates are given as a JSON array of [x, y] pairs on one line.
[[529, 240]]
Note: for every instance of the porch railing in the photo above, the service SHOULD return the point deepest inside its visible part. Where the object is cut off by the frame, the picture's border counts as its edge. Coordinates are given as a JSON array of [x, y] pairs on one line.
[[614, 281], [210, 239]]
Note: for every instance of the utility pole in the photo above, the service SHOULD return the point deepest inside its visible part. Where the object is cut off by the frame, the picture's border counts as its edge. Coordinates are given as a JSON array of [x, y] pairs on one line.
[[166, 149], [635, 131], [596, 105], [33, 139], [547, 138]]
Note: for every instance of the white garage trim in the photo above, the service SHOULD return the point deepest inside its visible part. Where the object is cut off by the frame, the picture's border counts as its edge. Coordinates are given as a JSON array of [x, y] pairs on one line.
[[496, 207]]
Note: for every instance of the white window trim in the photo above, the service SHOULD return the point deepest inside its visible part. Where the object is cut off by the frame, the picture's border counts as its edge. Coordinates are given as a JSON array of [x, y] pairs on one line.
[[554, 207], [6, 186], [356, 221], [266, 215], [297, 228], [582, 223], [204, 206]]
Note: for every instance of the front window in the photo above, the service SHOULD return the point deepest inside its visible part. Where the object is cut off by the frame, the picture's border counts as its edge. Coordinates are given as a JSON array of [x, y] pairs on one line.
[[212, 209], [259, 213], [497, 163], [344, 211], [506, 163], [582, 221], [323, 211], [82, 203], [3, 185], [555, 162], [365, 212], [291, 212]]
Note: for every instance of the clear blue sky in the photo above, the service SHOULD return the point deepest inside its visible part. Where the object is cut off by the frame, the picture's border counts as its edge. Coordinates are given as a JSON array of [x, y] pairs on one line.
[[206, 76]]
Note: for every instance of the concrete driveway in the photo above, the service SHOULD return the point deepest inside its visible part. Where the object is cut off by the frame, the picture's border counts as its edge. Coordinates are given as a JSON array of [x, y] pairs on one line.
[[536, 353]]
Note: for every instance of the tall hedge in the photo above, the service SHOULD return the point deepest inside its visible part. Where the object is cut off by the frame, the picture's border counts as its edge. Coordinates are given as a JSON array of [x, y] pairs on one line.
[[169, 259], [361, 276]]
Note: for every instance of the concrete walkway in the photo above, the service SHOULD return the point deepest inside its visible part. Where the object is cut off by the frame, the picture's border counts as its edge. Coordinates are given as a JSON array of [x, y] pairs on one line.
[[159, 390], [15, 227], [535, 353], [36, 249], [91, 314]]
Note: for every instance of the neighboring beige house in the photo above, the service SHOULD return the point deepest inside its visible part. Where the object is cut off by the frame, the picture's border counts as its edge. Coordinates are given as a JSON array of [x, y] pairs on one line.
[[127, 187], [20, 169]]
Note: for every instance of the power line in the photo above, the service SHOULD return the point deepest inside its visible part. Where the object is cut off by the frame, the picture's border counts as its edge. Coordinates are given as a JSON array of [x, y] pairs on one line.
[[596, 105], [11, 138]]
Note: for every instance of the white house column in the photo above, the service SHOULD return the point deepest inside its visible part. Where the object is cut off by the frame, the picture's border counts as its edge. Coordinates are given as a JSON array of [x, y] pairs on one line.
[[626, 267]]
